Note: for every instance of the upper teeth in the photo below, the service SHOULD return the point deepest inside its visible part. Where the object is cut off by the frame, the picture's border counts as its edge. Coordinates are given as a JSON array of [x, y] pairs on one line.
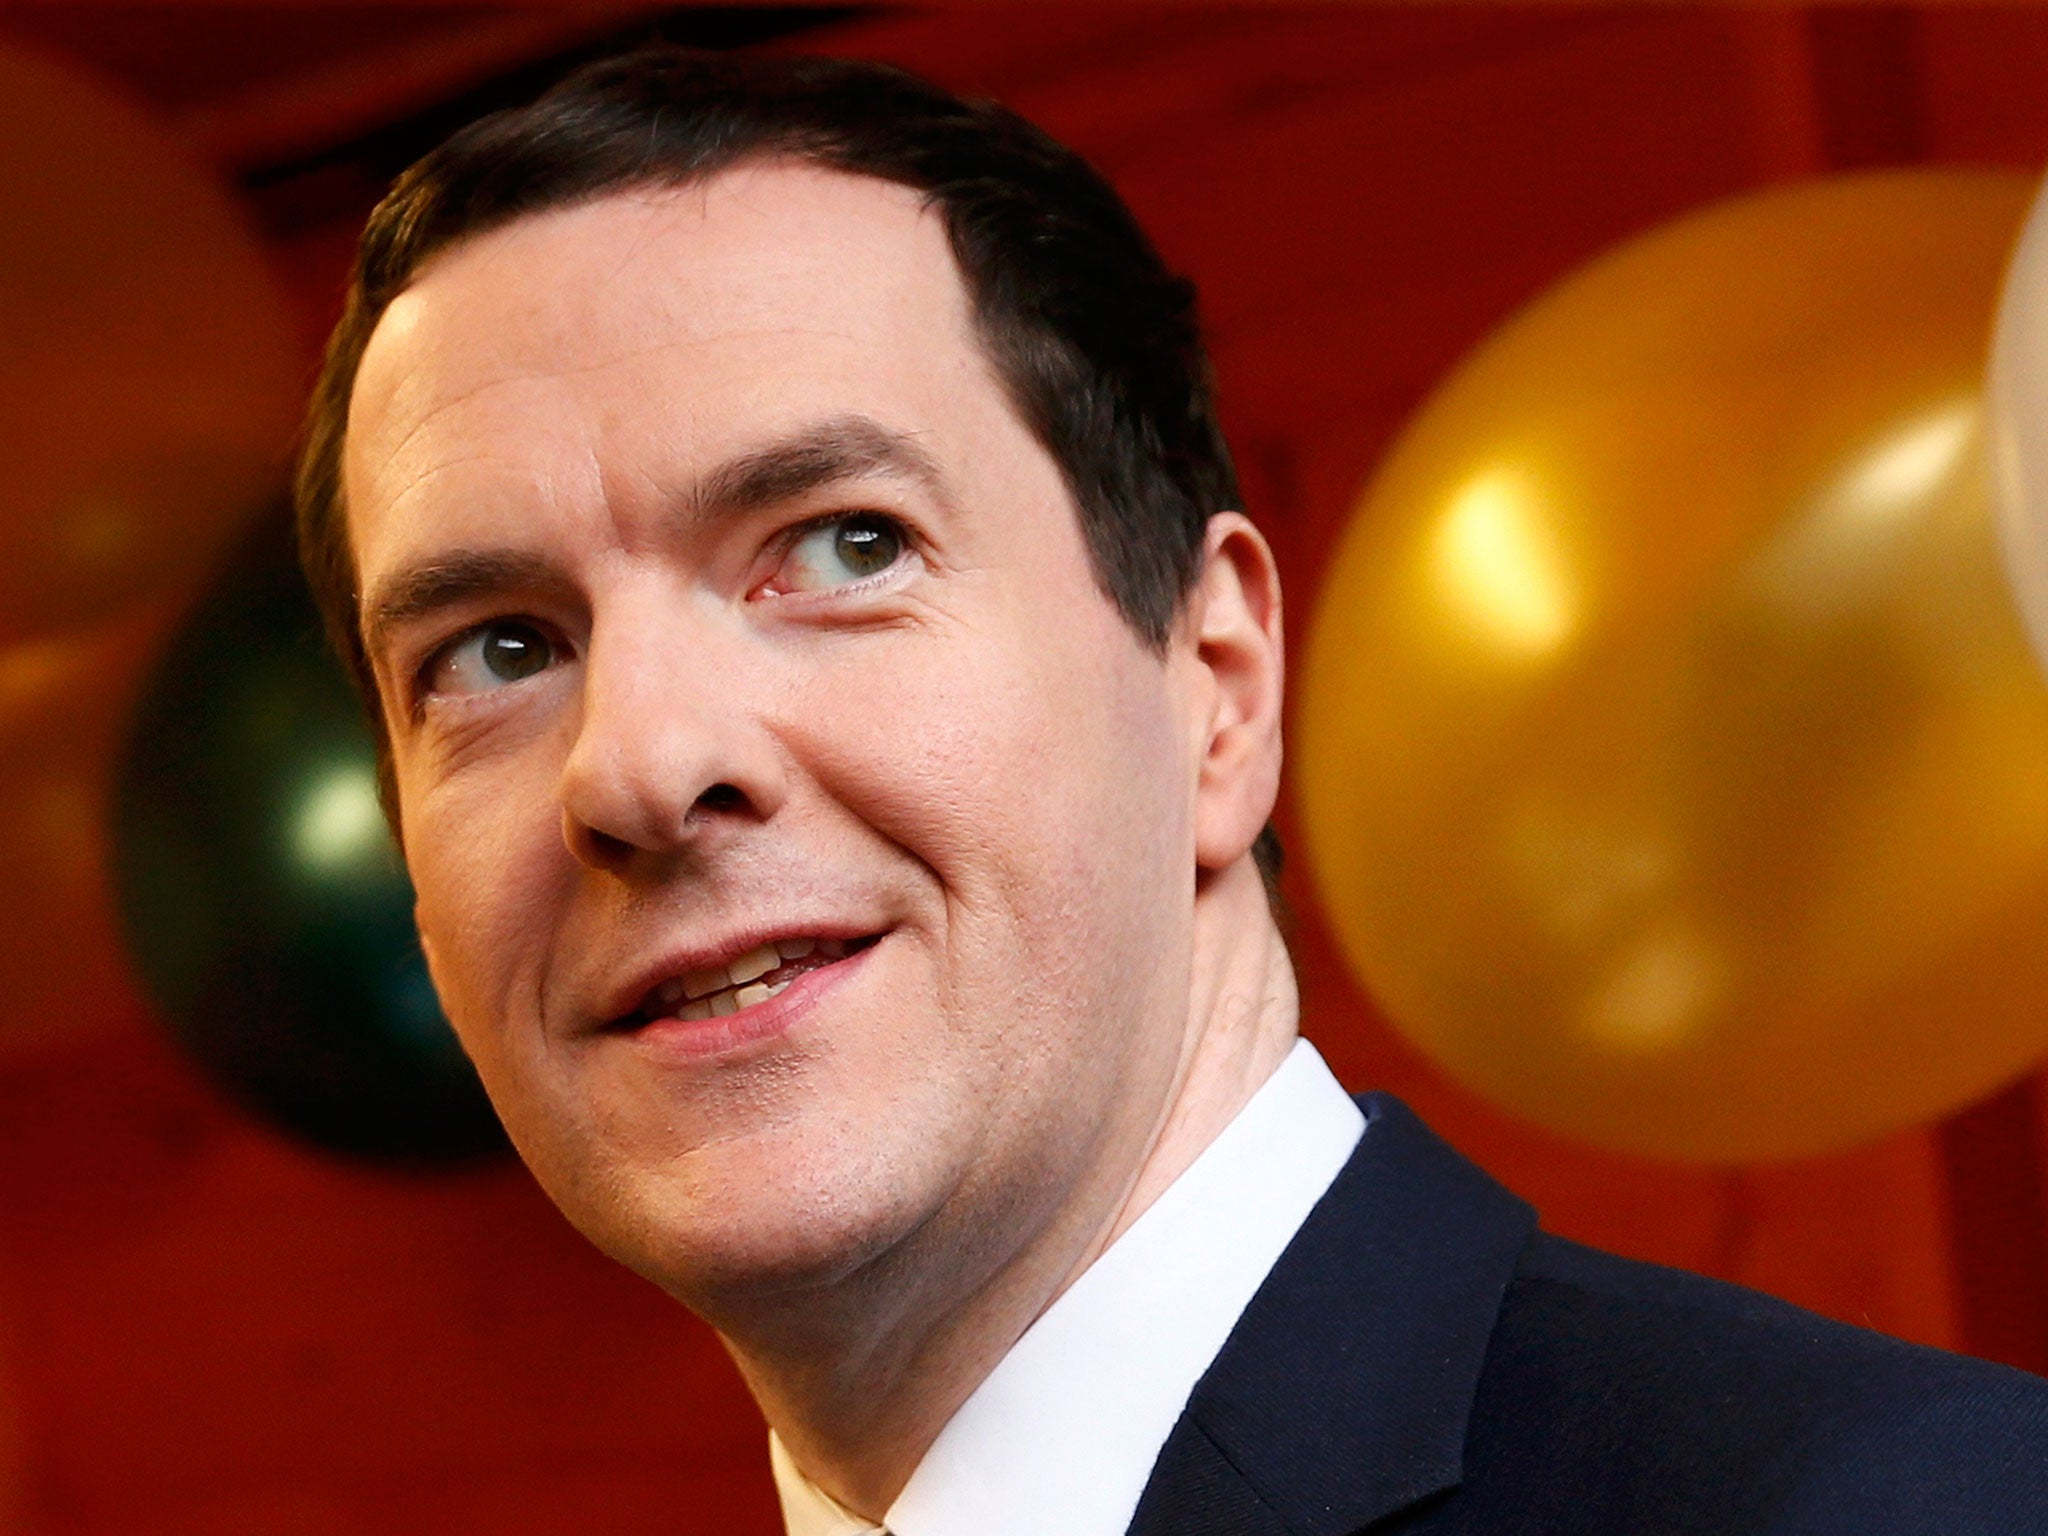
[[750, 967], [755, 962]]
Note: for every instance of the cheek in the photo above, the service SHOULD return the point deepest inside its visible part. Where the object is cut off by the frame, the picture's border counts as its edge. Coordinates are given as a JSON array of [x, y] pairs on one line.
[[487, 861], [1036, 779]]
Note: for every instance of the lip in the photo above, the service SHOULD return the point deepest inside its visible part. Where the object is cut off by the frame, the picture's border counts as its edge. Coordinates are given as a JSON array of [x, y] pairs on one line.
[[617, 1011], [702, 1039]]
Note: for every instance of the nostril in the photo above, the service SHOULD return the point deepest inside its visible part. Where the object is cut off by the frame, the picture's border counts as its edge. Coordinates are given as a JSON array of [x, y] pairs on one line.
[[721, 797], [615, 830], [605, 849]]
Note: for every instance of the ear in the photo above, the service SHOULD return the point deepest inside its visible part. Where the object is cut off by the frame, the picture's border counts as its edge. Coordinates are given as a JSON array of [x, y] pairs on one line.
[[1233, 627]]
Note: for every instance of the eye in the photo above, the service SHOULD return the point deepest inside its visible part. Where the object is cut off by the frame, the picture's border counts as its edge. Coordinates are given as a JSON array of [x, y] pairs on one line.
[[840, 552], [490, 657]]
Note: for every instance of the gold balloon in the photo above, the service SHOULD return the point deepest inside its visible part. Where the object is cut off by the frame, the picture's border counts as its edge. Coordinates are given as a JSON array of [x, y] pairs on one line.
[[1671, 760]]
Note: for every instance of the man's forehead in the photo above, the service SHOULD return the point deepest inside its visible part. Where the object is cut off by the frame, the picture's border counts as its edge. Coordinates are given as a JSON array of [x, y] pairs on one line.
[[770, 246], [677, 316]]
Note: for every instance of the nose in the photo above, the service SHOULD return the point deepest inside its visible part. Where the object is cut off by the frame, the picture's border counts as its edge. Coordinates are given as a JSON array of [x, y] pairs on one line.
[[671, 753]]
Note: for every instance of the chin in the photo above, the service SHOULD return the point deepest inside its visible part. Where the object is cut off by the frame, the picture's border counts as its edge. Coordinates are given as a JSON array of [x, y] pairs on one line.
[[725, 1233]]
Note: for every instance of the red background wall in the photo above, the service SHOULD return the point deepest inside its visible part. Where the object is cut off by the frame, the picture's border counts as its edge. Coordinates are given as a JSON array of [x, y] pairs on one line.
[[204, 1329]]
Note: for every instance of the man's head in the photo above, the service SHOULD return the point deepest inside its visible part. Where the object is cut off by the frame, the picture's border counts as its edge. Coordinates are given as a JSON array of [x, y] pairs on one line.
[[777, 504], [1091, 335]]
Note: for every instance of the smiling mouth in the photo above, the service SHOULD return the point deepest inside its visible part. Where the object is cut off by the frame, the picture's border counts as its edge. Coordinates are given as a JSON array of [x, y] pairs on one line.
[[755, 977]]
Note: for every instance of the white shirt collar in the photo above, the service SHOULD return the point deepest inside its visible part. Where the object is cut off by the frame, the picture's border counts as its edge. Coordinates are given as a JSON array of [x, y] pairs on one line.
[[1062, 1434]]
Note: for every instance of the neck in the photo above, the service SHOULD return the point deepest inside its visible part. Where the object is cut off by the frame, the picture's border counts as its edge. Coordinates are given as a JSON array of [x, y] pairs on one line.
[[858, 1383]]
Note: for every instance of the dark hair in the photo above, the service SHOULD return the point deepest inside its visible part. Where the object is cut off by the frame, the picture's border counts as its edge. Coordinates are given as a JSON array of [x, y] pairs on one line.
[[1094, 339]]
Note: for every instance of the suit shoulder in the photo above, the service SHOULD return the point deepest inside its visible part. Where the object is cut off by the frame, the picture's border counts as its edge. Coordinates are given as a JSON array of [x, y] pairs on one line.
[[1807, 1424], [1567, 1282]]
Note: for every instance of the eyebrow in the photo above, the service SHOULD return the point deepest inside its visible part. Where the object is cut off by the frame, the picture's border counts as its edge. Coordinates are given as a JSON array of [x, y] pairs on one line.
[[842, 448], [851, 447], [459, 577]]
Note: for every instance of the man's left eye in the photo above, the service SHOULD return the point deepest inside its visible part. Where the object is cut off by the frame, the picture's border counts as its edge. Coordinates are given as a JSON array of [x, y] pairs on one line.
[[840, 552]]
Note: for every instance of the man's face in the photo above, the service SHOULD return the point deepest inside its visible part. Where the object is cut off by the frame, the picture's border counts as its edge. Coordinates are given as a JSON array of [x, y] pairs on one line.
[[721, 605]]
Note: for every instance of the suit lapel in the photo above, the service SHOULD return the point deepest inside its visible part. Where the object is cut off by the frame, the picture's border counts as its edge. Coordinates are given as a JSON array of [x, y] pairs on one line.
[[1196, 1490], [1343, 1392]]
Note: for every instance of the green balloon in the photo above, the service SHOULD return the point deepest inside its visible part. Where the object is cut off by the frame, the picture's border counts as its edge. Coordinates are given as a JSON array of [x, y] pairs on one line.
[[263, 898]]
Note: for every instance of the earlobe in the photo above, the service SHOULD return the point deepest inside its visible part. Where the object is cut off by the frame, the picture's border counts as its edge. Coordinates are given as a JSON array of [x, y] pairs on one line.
[[427, 950], [1238, 646]]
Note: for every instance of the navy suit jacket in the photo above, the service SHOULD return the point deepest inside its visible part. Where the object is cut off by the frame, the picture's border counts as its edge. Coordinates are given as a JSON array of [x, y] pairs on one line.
[[1423, 1361]]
